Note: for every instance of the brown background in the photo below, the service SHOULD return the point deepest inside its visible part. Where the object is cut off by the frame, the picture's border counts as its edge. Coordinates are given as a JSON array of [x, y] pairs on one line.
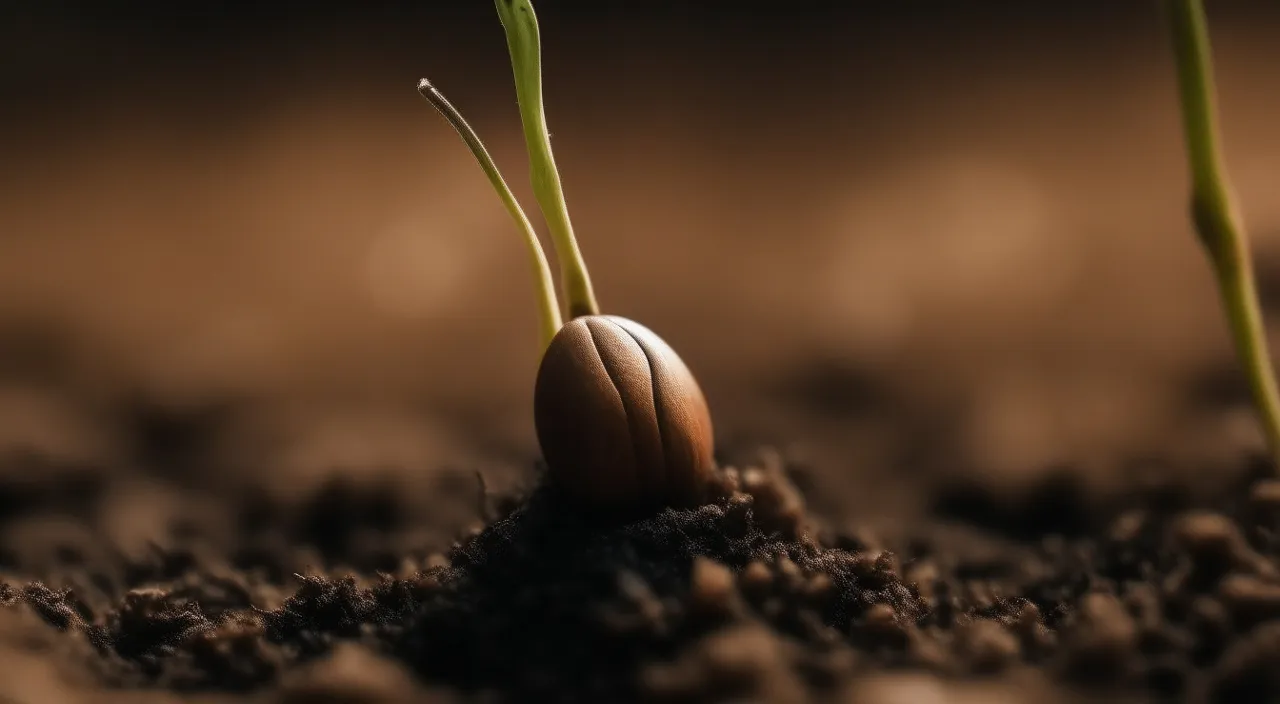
[[938, 236]]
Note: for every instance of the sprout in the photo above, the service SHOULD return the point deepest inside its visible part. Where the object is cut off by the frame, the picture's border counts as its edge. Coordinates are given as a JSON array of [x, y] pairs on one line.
[[548, 307], [621, 420], [1214, 213], [524, 43]]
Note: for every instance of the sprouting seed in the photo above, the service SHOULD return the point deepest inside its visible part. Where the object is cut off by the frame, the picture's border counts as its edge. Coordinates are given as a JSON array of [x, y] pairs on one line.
[[647, 419], [621, 420]]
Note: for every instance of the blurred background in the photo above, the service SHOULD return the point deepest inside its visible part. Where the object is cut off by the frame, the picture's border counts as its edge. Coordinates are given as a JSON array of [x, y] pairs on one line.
[[919, 236]]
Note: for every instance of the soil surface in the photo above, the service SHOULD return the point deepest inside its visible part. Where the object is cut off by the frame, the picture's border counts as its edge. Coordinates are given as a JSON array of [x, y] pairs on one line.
[[122, 586], [258, 307]]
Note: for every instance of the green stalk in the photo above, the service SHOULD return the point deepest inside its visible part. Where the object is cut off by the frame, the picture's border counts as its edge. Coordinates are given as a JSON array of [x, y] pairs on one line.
[[521, 27], [1214, 213], [548, 306]]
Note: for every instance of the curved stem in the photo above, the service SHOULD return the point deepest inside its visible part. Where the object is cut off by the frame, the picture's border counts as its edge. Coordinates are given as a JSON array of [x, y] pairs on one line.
[[521, 27], [548, 306], [1214, 213]]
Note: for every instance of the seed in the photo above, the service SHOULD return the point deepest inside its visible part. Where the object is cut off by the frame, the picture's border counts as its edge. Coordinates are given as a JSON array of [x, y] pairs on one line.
[[620, 418]]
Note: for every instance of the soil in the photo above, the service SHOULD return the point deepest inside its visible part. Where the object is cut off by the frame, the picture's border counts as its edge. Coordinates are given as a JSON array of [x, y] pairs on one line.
[[952, 237], [1165, 591]]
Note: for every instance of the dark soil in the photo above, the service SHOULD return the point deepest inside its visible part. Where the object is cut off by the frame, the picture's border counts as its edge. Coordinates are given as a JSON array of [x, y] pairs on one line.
[[1165, 592], [151, 574]]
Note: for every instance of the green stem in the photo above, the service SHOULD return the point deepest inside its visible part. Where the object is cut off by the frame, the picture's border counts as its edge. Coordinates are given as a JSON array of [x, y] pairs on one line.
[[521, 27], [1214, 213], [548, 306]]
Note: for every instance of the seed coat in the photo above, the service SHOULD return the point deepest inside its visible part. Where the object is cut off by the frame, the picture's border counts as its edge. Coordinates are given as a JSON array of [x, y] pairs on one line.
[[620, 418]]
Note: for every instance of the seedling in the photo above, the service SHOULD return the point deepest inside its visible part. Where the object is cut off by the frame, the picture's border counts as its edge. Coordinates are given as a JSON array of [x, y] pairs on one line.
[[1214, 212], [621, 420]]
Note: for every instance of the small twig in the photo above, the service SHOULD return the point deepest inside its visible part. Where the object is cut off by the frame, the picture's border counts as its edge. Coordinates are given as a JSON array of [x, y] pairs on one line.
[[483, 505]]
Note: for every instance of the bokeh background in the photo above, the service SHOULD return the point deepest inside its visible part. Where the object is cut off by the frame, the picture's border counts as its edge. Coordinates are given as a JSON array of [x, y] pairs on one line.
[[916, 237]]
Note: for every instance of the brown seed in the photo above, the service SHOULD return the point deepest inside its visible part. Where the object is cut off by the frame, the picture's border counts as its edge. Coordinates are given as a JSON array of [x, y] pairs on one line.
[[621, 420]]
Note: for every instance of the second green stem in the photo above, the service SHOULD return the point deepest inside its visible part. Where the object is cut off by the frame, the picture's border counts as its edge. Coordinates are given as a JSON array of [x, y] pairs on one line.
[[1214, 214]]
